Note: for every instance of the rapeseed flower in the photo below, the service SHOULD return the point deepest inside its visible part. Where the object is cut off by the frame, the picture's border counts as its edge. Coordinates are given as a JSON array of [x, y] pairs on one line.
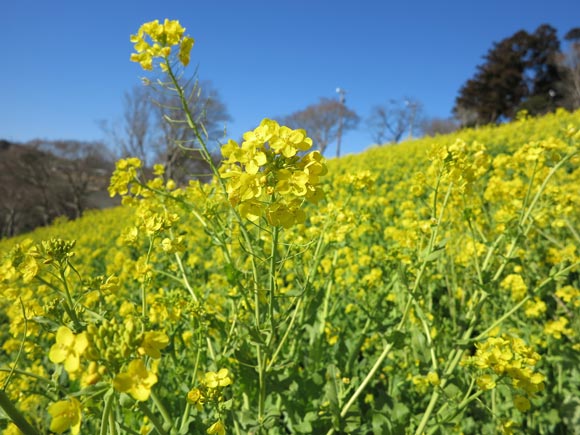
[[66, 414], [68, 348], [152, 343], [137, 381], [154, 39], [265, 176], [557, 328], [217, 379], [217, 428]]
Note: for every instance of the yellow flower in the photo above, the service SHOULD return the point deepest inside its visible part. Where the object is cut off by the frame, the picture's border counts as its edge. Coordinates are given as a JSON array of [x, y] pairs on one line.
[[29, 269], [292, 182], [535, 308], [433, 378], [12, 429], [153, 342], [217, 428], [155, 40], [66, 414], [486, 382], [515, 283], [136, 381], [220, 379], [557, 328], [68, 348], [185, 49], [195, 397]]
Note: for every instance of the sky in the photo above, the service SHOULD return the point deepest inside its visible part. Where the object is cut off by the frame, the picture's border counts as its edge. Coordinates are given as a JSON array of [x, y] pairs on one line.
[[65, 66]]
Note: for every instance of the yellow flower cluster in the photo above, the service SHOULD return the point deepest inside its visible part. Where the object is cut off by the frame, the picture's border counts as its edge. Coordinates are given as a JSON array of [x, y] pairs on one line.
[[266, 176], [125, 173], [211, 388], [156, 40], [210, 391], [557, 328], [508, 356], [459, 163], [516, 285]]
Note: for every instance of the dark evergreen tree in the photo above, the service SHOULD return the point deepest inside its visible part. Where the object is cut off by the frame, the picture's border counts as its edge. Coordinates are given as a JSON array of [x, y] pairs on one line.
[[520, 72]]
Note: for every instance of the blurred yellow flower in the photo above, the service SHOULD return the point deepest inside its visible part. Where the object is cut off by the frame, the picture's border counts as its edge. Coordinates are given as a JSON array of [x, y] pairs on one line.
[[66, 414], [153, 342], [220, 379], [217, 428], [136, 381], [68, 348]]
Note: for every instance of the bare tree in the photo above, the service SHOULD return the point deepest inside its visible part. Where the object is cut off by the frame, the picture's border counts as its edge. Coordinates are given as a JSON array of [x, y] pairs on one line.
[[154, 127], [322, 121], [83, 167], [177, 141], [569, 64], [435, 126], [389, 122], [136, 134], [41, 180]]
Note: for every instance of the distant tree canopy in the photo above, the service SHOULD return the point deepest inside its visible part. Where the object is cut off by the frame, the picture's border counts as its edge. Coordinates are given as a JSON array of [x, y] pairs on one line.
[[322, 121], [520, 72]]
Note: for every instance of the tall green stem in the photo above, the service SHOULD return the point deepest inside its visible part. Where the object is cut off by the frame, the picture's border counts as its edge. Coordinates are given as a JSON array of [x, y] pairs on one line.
[[15, 415]]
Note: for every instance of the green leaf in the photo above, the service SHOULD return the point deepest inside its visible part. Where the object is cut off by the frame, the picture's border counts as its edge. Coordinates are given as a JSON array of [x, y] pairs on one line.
[[400, 412], [305, 426], [397, 338], [380, 423]]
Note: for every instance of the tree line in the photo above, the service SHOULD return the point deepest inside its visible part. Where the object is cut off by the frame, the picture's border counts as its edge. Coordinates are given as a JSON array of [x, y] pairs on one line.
[[41, 180]]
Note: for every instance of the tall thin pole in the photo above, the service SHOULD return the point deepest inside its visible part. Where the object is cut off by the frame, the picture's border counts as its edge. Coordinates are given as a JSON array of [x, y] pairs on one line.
[[341, 92], [412, 105]]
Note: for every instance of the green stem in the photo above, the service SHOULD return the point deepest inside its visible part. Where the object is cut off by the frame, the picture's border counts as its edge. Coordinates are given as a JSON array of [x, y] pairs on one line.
[[105, 418], [367, 379], [143, 287], [261, 385], [15, 415], [285, 336], [152, 417], [454, 358], [502, 318], [525, 216], [164, 413], [112, 424], [543, 186], [529, 190], [20, 348], [185, 280], [189, 118], [68, 307], [458, 409], [272, 286]]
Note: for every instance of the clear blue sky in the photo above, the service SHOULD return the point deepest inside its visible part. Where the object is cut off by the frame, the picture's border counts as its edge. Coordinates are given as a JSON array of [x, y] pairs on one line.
[[65, 64]]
